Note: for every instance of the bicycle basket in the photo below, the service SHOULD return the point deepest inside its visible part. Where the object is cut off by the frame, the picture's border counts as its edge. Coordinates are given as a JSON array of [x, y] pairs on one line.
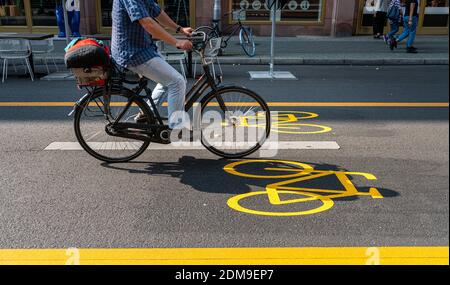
[[89, 60], [91, 76]]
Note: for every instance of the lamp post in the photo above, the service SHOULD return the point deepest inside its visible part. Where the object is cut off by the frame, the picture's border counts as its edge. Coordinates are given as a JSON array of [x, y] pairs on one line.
[[217, 13]]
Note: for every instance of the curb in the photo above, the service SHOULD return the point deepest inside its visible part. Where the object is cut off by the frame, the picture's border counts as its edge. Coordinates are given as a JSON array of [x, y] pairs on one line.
[[334, 61], [322, 61]]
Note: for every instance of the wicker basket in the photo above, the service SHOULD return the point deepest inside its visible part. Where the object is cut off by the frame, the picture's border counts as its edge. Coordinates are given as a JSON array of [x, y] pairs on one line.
[[92, 76]]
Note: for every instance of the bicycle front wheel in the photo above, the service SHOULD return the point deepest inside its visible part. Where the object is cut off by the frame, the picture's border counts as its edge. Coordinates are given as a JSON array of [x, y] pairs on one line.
[[247, 41], [234, 122], [209, 31], [92, 119]]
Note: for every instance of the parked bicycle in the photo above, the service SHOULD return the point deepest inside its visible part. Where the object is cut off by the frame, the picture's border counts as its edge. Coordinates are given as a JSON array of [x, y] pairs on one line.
[[105, 126], [246, 39]]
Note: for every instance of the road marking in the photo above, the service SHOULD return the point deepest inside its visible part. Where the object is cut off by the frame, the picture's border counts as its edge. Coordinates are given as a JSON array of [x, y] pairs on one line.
[[229, 256], [287, 122], [291, 175], [282, 145], [271, 104]]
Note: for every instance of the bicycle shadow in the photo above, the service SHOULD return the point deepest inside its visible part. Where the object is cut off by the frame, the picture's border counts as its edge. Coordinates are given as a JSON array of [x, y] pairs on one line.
[[205, 175], [209, 176]]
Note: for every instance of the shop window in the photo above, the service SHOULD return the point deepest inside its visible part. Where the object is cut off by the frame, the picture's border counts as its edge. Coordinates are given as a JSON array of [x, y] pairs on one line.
[[178, 10], [12, 13], [44, 12], [436, 13], [106, 8], [292, 11]]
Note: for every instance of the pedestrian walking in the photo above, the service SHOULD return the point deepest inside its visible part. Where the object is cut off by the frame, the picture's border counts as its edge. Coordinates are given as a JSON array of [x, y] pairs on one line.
[[394, 16], [379, 18], [410, 21]]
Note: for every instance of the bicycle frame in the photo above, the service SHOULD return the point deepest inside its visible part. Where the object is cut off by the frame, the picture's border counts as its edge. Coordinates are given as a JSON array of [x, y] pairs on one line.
[[205, 82], [234, 28]]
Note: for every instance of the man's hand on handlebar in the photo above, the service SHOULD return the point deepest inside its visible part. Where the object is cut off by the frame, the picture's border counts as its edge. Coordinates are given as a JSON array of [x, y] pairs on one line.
[[184, 44]]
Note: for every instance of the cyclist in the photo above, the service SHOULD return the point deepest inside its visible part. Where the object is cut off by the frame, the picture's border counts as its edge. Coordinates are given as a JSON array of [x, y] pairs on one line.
[[135, 25]]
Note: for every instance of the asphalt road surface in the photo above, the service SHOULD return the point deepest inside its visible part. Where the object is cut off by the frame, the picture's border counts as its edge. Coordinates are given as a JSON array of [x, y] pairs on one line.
[[179, 198]]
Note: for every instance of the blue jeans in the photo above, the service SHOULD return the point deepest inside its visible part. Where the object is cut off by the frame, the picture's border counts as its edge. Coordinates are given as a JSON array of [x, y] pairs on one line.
[[409, 31], [394, 28], [170, 83]]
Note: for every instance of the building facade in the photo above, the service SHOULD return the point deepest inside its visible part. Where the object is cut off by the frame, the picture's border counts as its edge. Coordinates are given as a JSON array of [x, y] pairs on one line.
[[298, 17]]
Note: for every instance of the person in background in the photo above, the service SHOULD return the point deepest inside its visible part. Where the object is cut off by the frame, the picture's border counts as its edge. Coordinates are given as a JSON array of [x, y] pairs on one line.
[[379, 20], [410, 20], [394, 11]]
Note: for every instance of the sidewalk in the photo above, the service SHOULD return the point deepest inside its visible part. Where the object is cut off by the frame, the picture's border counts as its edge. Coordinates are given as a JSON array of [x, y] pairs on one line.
[[314, 50], [352, 50]]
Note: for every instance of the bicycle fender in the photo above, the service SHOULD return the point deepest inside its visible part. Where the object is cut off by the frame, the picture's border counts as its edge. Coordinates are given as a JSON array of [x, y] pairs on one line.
[[85, 97], [78, 104]]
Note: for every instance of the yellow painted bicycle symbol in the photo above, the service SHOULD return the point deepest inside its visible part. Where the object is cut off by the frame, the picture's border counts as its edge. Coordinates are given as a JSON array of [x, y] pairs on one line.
[[289, 122], [283, 192]]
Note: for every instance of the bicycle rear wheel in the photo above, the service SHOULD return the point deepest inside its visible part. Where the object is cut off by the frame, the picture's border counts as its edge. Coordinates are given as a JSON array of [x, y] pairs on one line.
[[234, 122], [91, 121], [247, 41]]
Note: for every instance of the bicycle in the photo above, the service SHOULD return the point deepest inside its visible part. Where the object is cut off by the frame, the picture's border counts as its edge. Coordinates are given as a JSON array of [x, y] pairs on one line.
[[286, 192], [245, 35], [105, 126]]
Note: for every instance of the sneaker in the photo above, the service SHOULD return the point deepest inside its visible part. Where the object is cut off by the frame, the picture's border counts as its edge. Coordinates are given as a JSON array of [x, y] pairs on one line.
[[411, 50], [386, 39], [141, 118], [393, 43]]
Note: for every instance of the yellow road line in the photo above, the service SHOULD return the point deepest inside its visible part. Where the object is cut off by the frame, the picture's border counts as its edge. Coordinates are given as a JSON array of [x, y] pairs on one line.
[[271, 104], [230, 256]]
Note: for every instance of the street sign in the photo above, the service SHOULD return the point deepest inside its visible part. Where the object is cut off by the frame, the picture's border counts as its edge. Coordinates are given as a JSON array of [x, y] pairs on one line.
[[271, 74]]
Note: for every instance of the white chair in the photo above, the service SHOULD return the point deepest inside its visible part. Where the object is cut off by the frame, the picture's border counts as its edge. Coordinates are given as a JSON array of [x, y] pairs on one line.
[[11, 49], [211, 54], [181, 58], [172, 56], [45, 50]]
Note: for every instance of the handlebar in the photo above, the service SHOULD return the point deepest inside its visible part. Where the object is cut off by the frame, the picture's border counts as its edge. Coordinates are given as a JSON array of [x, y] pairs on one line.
[[199, 40]]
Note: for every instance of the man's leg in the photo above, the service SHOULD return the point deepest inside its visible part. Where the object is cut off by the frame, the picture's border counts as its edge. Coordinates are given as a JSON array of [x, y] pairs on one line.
[[412, 33], [374, 24], [170, 81], [158, 94], [405, 33], [394, 29], [382, 22]]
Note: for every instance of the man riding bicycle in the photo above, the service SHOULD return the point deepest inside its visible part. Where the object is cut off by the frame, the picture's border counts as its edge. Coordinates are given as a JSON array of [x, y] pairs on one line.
[[135, 25]]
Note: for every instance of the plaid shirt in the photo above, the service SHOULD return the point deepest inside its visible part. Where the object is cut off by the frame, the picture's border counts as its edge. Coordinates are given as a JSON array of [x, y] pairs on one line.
[[131, 44]]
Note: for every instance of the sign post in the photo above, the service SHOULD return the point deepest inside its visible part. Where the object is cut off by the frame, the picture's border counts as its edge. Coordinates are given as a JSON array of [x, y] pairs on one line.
[[272, 74]]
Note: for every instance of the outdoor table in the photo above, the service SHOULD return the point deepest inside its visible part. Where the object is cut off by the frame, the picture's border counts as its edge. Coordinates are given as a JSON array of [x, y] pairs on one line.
[[30, 37]]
